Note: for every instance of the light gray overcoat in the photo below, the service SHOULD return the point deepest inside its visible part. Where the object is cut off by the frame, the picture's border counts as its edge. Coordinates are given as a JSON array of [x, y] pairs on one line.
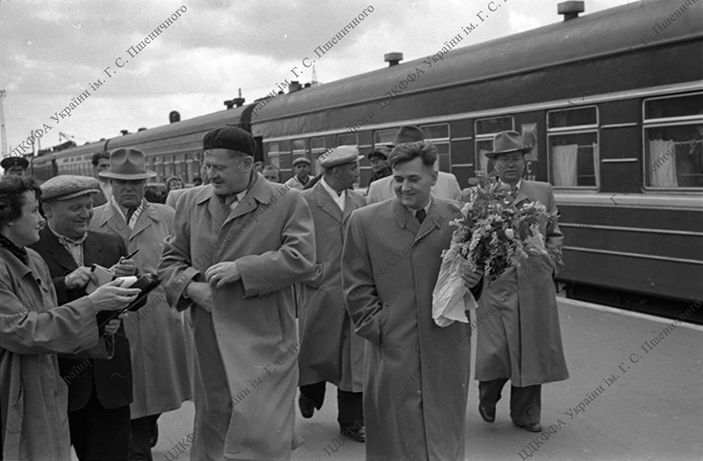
[[247, 347], [417, 374], [518, 337], [160, 368], [329, 349]]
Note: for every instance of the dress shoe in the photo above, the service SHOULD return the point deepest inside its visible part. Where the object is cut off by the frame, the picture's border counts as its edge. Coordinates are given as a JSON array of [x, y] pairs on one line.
[[487, 413], [306, 405], [354, 432], [531, 427]]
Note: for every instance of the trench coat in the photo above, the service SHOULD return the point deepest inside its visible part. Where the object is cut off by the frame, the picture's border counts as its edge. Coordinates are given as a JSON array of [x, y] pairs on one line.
[[329, 349], [33, 396], [160, 370], [416, 374], [247, 347], [519, 336]]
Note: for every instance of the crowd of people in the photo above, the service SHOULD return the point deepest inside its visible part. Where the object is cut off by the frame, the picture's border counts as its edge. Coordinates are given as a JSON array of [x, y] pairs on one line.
[[268, 292]]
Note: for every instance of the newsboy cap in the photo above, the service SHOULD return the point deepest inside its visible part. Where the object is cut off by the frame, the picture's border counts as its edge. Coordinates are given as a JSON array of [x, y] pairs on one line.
[[229, 137], [301, 160], [339, 156], [15, 160], [408, 133], [67, 186], [507, 142]]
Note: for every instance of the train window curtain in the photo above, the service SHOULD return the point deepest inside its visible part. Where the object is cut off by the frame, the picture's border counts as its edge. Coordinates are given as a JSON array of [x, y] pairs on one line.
[[565, 161]]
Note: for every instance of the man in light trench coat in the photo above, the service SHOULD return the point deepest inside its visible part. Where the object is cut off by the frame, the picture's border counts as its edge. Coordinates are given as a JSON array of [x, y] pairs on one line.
[[416, 374], [160, 371], [238, 244], [329, 349], [520, 340]]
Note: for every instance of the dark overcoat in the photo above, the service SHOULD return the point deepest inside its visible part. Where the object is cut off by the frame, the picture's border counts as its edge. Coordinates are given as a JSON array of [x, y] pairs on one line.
[[518, 337]]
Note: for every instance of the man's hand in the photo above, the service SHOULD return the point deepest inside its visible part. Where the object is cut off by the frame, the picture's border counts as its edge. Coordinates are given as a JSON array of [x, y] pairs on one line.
[[201, 294], [222, 273], [471, 279], [79, 278], [113, 325], [124, 268]]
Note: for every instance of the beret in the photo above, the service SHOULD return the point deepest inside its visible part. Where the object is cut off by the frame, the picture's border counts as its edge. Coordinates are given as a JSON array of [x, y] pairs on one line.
[[65, 187], [229, 137], [14, 160], [301, 160], [339, 156]]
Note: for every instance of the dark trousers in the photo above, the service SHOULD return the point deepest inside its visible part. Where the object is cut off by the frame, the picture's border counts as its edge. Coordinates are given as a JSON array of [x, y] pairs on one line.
[[99, 434], [349, 404], [142, 432], [525, 402]]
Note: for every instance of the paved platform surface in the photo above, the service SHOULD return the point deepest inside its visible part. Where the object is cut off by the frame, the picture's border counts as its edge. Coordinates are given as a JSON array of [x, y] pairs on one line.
[[649, 405]]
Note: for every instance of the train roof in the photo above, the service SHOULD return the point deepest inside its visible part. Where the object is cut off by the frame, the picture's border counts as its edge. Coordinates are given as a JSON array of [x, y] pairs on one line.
[[179, 137], [87, 149], [607, 32]]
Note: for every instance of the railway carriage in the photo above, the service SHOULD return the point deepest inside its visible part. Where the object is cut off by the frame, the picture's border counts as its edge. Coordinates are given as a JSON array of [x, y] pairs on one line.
[[612, 103]]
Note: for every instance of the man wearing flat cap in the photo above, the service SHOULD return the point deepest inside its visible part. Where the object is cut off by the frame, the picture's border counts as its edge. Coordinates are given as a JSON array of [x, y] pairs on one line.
[[379, 164], [416, 374], [521, 340], [446, 186], [301, 168], [329, 349], [99, 391], [161, 373], [14, 166], [238, 245]]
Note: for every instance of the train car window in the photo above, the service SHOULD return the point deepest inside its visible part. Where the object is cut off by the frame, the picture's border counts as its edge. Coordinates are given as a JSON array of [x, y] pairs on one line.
[[351, 139], [673, 142], [572, 136], [383, 137], [486, 129], [576, 117], [434, 132], [299, 146], [273, 154], [317, 143], [317, 147]]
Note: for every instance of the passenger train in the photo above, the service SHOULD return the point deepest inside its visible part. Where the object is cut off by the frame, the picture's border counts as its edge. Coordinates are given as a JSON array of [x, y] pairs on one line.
[[612, 103]]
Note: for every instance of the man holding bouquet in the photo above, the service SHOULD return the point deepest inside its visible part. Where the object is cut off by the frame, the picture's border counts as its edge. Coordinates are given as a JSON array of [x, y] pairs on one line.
[[416, 373], [520, 340]]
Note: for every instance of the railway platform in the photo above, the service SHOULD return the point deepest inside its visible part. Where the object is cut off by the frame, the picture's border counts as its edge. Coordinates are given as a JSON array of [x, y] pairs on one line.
[[635, 393]]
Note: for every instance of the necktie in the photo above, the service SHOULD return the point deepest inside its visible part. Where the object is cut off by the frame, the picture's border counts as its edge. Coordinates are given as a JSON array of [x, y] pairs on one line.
[[420, 215], [130, 212], [231, 201]]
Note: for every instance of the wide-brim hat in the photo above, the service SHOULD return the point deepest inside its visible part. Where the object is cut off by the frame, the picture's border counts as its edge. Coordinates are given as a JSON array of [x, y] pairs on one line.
[[66, 187], [128, 164], [507, 142], [339, 156], [15, 160], [408, 133]]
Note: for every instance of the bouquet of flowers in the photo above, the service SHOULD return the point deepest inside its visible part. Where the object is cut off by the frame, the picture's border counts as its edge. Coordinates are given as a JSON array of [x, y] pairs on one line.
[[493, 234]]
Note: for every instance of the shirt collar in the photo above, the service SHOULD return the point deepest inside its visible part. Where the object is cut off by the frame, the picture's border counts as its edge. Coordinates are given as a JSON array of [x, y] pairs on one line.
[[426, 208], [331, 191], [518, 185], [67, 240]]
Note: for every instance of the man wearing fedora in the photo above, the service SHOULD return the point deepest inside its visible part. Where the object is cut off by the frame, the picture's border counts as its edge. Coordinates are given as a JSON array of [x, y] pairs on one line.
[[14, 165], [99, 390], [520, 341], [329, 349], [237, 246], [446, 186], [301, 168], [160, 370]]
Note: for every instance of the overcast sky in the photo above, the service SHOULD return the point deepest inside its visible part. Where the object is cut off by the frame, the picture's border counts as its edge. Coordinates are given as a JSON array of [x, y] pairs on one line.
[[50, 51]]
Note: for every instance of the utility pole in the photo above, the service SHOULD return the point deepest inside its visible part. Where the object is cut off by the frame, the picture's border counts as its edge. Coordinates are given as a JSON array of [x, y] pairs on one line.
[[2, 124]]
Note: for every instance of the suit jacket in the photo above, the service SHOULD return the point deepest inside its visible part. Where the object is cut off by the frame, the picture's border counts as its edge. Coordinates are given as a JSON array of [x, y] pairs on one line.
[[447, 187], [112, 378]]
